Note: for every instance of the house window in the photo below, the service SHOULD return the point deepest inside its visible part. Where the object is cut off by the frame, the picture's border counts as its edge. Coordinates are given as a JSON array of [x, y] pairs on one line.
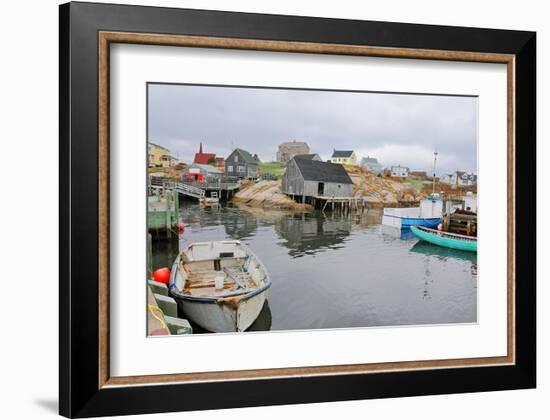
[[229, 168], [241, 169], [236, 158]]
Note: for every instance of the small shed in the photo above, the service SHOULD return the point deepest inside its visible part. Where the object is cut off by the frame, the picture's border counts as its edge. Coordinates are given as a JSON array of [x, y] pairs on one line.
[[309, 177], [200, 172]]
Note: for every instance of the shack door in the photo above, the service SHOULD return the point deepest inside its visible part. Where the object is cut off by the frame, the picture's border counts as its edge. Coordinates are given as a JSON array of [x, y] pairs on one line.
[[321, 188]]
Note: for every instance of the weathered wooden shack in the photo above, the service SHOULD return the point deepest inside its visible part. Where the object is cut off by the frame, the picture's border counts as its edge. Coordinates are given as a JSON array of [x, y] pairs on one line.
[[306, 177], [241, 164]]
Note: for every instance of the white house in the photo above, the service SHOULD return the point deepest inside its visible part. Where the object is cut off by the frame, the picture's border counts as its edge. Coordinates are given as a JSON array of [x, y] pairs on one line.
[[399, 171], [460, 178]]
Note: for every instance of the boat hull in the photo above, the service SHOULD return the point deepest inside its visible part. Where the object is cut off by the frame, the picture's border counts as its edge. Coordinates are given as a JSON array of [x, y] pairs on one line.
[[222, 316], [405, 223], [447, 241], [408, 222]]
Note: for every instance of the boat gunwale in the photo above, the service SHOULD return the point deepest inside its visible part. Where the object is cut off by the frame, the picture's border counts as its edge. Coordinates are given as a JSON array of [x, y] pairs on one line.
[[411, 218], [448, 235]]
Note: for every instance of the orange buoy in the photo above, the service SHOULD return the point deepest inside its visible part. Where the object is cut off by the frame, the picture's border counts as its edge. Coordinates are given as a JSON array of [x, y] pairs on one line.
[[162, 275]]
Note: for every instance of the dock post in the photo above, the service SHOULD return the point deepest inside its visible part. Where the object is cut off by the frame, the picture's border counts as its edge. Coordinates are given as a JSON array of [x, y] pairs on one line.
[[168, 213], [149, 255], [176, 206]]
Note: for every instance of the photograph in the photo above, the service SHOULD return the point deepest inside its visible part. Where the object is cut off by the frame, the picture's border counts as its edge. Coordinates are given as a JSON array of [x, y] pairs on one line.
[[276, 208]]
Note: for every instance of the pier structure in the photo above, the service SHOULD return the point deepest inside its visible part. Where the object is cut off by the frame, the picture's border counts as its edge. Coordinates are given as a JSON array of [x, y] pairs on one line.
[[162, 213], [199, 190], [341, 204], [162, 312]]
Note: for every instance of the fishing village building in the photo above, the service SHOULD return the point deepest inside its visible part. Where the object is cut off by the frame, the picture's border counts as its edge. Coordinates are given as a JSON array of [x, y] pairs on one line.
[[460, 179], [160, 157], [199, 172], [371, 164], [204, 158], [241, 164], [308, 177], [345, 157], [399, 171], [289, 149]]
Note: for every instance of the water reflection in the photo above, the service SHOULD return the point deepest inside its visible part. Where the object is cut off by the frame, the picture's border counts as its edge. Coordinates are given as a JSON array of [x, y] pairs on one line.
[[426, 248], [334, 271], [311, 233]]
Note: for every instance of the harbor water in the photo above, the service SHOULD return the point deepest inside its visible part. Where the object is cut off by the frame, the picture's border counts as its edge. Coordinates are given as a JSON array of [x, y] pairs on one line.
[[338, 270]]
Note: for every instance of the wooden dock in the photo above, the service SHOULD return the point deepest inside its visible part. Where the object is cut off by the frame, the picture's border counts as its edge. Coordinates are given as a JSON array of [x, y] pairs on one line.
[[339, 204], [162, 313], [198, 189], [163, 213]]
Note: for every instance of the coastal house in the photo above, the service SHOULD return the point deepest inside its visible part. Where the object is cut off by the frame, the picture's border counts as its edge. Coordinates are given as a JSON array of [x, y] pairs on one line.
[[160, 157], [289, 149], [371, 164], [399, 171], [345, 157], [204, 158], [460, 179], [308, 177], [241, 164], [199, 172]]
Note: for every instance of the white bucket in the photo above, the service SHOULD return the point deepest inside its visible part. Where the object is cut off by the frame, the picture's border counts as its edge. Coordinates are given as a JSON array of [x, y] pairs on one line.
[[218, 281]]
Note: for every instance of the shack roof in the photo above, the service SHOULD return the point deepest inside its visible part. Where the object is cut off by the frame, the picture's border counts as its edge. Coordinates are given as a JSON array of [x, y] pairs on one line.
[[314, 170], [206, 168], [309, 156], [248, 158], [342, 153]]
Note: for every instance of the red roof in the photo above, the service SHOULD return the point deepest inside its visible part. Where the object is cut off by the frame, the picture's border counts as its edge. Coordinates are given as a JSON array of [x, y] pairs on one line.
[[203, 158]]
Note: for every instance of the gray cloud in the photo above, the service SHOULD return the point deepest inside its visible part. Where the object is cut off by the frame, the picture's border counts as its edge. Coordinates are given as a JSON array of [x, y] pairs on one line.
[[395, 128]]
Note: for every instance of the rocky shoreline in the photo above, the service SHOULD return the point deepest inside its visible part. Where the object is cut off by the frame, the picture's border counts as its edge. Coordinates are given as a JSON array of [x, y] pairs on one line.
[[267, 194], [377, 192]]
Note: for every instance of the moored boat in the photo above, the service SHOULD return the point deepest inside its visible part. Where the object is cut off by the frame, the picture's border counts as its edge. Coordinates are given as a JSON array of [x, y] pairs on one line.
[[446, 239], [428, 214], [220, 285]]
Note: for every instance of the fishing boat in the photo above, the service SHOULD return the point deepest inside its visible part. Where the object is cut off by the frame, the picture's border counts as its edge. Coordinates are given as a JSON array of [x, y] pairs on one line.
[[220, 285], [446, 239], [428, 215]]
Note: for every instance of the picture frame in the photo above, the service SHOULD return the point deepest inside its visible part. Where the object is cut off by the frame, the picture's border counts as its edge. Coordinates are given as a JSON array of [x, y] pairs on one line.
[[87, 31]]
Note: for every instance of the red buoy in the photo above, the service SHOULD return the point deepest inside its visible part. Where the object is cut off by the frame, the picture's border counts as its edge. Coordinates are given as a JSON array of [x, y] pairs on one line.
[[181, 226], [162, 275]]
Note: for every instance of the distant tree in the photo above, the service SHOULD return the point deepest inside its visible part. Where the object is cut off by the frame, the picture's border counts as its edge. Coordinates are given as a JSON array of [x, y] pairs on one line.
[[211, 161]]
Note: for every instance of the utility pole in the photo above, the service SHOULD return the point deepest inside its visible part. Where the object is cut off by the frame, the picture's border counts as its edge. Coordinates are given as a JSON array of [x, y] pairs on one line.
[[433, 176]]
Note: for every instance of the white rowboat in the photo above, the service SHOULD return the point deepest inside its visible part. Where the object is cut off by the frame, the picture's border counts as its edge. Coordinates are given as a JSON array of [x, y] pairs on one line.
[[220, 285]]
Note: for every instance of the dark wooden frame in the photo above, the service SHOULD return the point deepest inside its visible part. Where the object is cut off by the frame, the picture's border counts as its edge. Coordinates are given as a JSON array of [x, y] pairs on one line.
[[86, 30]]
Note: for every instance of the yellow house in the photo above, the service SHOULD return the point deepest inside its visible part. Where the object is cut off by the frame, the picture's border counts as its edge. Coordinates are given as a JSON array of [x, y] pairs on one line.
[[160, 157], [344, 157]]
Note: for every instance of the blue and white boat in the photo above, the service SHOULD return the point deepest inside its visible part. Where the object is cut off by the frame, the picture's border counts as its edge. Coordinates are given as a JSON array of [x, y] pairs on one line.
[[428, 215]]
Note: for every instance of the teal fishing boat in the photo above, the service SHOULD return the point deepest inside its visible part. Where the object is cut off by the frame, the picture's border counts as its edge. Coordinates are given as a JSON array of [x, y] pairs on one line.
[[445, 239]]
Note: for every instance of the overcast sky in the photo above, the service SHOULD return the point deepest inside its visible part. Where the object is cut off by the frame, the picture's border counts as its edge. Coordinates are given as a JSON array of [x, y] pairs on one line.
[[397, 129]]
